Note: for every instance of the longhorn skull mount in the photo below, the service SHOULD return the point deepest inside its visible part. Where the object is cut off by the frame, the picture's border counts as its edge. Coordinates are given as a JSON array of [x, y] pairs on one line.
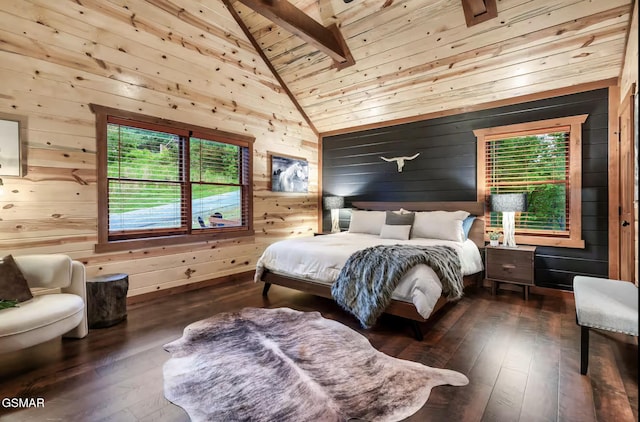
[[400, 160]]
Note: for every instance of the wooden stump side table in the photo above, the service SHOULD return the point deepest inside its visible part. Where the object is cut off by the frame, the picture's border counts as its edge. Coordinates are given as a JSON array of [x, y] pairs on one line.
[[107, 300]]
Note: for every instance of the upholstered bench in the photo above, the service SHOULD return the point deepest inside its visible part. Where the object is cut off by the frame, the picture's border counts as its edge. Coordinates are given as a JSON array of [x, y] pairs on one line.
[[604, 304]]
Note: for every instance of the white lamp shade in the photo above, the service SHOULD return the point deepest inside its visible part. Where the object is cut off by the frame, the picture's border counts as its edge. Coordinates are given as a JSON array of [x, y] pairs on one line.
[[508, 202], [333, 202]]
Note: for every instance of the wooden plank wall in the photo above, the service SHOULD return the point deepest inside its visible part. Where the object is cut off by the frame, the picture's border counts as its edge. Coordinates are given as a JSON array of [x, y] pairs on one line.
[[629, 73], [446, 171], [628, 77], [183, 60]]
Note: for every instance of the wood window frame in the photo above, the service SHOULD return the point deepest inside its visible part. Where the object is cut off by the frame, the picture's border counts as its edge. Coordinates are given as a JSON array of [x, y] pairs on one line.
[[103, 115], [575, 174]]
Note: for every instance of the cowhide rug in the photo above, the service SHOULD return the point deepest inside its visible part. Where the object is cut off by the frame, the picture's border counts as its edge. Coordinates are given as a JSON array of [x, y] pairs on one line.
[[285, 365]]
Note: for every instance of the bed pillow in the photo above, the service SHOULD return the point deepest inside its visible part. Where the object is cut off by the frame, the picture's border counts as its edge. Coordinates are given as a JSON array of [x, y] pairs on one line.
[[466, 225], [369, 222], [398, 232], [445, 225], [395, 219], [13, 285]]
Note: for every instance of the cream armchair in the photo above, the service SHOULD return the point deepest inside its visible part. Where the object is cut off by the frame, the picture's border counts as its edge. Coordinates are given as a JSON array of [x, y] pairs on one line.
[[50, 315]]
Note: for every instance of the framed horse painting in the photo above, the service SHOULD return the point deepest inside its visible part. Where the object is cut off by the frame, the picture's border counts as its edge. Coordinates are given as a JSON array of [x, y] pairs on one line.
[[289, 174]]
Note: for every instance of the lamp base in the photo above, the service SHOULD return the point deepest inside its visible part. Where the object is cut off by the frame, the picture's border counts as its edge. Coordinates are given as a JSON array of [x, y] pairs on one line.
[[335, 221], [509, 229]]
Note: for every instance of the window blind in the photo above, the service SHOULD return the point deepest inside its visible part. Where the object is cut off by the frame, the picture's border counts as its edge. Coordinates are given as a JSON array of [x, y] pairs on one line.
[[144, 181], [152, 192], [148, 186], [218, 176], [536, 163]]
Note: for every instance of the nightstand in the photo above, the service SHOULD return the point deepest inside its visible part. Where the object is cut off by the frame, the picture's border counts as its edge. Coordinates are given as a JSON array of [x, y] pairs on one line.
[[321, 233], [510, 265]]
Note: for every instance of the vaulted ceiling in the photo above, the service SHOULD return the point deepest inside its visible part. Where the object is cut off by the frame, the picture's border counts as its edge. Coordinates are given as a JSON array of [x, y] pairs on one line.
[[417, 57]]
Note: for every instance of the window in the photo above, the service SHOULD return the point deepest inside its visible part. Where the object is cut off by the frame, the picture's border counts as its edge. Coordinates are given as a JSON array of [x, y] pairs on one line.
[[163, 182], [543, 160]]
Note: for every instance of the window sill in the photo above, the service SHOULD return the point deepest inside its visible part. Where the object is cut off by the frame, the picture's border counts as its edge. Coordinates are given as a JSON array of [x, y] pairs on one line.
[[549, 241], [150, 242]]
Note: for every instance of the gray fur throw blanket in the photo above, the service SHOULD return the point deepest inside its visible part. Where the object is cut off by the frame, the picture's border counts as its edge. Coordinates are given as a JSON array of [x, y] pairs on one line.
[[284, 365], [367, 280]]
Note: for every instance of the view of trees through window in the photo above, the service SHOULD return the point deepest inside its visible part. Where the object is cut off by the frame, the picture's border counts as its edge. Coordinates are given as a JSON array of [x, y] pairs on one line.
[[538, 165], [145, 170], [542, 159], [215, 182]]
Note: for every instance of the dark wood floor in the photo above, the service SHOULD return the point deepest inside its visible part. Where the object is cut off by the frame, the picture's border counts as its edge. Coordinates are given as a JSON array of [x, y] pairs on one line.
[[522, 359]]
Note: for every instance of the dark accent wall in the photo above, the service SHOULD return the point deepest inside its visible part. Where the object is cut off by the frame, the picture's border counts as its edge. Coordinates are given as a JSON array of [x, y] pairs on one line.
[[445, 170]]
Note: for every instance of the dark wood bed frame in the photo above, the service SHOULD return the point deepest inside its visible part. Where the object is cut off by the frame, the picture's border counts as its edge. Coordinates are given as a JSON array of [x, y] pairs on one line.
[[399, 308]]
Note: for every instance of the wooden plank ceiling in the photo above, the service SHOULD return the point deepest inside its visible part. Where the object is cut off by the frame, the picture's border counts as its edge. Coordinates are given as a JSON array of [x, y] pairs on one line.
[[417, 57]]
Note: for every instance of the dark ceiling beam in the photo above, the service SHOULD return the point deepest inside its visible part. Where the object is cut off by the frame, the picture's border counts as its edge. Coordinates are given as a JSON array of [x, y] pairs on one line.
[[476, 11], [281, 12]]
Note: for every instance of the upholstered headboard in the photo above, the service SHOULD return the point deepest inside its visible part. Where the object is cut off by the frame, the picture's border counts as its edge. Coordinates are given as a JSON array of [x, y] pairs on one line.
[[476, 234]]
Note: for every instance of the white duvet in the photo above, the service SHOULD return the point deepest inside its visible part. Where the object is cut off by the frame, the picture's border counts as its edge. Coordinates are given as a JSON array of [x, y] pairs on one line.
[[321, 258]]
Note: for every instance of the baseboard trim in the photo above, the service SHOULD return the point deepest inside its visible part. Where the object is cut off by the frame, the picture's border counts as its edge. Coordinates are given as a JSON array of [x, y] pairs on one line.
[[228, 279]]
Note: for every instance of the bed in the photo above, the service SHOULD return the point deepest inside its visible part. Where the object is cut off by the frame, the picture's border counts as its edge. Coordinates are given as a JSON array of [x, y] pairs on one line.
[[312, 264]]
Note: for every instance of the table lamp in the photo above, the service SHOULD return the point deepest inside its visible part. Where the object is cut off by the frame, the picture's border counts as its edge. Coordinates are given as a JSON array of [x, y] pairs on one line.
[[508, 204], [334, 203]]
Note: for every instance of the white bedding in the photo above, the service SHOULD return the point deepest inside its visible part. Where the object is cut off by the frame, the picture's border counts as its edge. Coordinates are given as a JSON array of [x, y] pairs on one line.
[[320, 259]]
